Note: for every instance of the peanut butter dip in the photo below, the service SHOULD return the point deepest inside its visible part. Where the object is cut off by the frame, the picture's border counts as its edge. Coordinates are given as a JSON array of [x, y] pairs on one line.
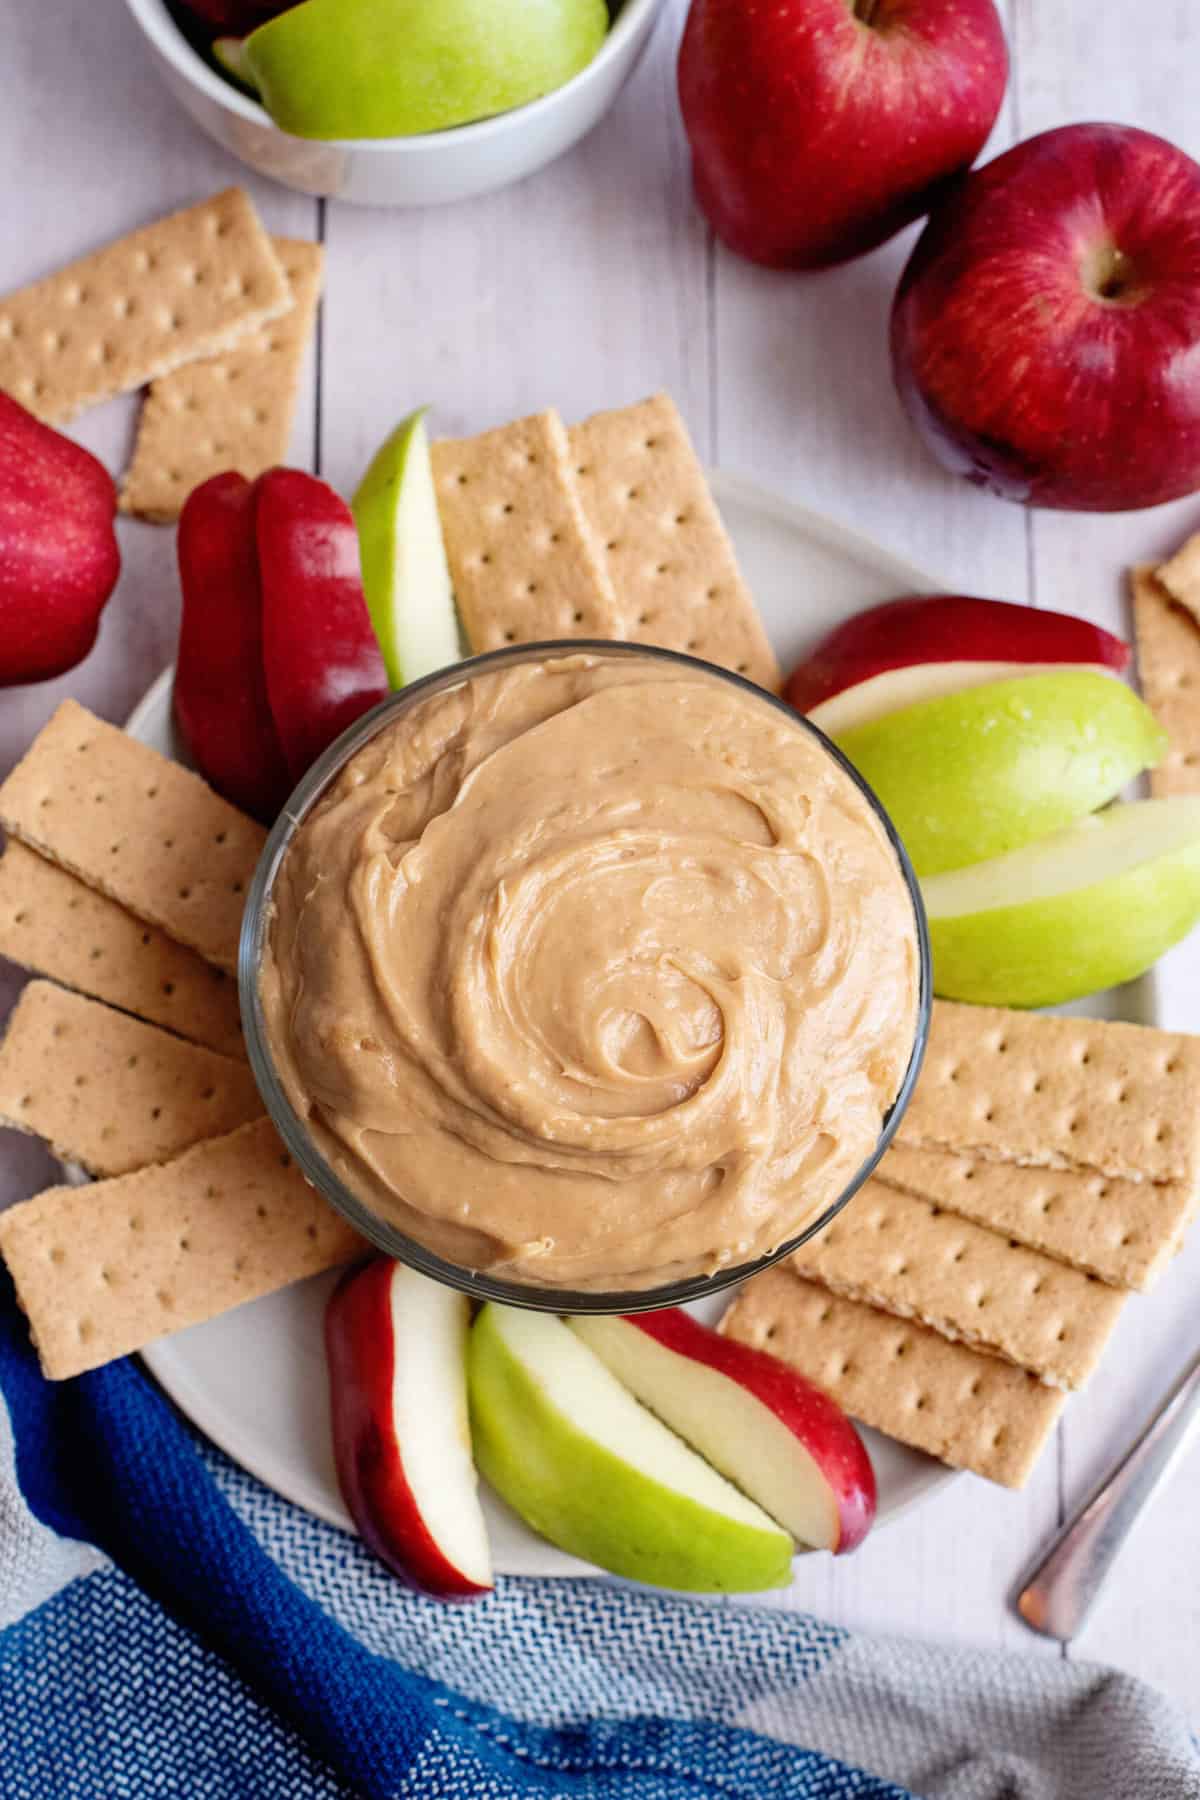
[[593, 972]]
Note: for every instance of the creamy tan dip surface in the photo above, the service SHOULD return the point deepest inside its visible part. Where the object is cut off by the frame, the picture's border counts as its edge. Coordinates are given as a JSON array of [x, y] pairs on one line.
[[593, 972]]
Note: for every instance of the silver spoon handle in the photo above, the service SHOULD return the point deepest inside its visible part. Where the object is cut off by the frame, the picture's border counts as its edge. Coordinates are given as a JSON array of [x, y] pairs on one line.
[[1060, 1591]]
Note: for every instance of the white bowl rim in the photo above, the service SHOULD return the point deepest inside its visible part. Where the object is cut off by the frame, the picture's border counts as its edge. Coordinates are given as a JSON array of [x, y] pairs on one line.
[[168, 39]]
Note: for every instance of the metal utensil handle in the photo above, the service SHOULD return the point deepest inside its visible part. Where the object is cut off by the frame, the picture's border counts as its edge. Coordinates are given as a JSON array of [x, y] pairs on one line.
[[1060, 1591]]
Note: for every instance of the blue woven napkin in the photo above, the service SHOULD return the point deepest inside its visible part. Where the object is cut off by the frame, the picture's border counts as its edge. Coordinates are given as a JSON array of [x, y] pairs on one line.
[[170, 1627]]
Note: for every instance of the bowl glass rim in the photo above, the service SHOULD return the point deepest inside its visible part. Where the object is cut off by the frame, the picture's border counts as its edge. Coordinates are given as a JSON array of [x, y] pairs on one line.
[[155, 19], [297, 1139]]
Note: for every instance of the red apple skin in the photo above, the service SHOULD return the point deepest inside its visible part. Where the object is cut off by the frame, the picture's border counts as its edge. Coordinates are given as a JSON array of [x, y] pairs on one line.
[[1046, 332], [59, 560], [323, 664], [360, 1352], [936, 628], [220, 688], [805, 1410], [815, 135]]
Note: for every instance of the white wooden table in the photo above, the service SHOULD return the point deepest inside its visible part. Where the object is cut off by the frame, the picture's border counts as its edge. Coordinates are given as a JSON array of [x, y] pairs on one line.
[[593, 284]]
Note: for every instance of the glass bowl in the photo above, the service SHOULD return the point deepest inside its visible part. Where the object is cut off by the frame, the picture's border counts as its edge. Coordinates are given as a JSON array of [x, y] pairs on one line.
[[379, 1231]]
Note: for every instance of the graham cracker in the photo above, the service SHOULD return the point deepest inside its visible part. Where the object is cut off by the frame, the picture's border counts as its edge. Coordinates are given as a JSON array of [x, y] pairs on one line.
[[909, 1257], [522, 558], [232, 411], [1180, 575], [969, 1410], [56, 925], [108, 1091], [102, 1270], [1124, 1232], [186, 286], [137, 826], [1168, 650], [1059, 1093], [669, 557]]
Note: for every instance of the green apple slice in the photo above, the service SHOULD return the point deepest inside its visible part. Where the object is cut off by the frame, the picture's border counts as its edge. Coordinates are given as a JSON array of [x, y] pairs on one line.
[[975, 774], [229, 53], [1081, 910], [394, 68], [405, 575], [588, 1467]]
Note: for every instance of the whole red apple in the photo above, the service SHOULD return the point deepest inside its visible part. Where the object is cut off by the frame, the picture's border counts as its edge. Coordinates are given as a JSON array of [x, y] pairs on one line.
[[58, 553], [1046, 332], [820, 127]]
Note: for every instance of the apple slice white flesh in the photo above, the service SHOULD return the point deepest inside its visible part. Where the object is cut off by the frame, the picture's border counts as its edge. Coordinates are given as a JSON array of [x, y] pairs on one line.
[[230, 53], [396, 1344], [894, 689], [927, 631], [585, 1465], [1083, 909], [772, 1433], [406, 578]]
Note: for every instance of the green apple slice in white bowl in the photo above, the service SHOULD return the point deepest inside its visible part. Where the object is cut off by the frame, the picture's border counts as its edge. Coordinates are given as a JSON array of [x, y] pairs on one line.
[[398, 68]]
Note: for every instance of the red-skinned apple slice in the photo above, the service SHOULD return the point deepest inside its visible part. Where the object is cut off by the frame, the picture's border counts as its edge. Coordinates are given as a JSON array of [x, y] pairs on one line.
[[783, 1442], [927, 645], [220, 690], [396, 1346], [323, 664], [58, 553]]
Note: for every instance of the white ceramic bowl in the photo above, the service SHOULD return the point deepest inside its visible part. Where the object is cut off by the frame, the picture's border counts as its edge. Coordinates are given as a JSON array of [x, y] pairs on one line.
[[411, 171]]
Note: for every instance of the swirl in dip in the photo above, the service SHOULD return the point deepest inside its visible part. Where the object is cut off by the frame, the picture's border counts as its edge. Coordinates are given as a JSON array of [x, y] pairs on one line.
[[593, 972]]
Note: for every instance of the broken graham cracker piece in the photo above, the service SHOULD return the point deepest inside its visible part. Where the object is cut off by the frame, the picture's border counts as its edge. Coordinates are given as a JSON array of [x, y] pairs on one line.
[[969, 1410], [522, 558], [1059, 1093], [186, 286], [104, 1269], [908, 1257], [109, 1091], [55, 925], [137, 826], [231, 411], [1125, 1232], [669, 557], [1168, 651], [1180, 575]]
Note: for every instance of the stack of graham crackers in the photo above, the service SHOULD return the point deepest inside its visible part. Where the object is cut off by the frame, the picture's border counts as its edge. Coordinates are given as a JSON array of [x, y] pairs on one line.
[[1166, 617], [124, 880], [605, 530], [203, 308], [1046, 1167]]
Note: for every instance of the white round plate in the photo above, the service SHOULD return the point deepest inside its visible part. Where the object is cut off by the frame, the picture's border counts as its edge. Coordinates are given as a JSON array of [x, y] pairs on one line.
[[254, 1379]]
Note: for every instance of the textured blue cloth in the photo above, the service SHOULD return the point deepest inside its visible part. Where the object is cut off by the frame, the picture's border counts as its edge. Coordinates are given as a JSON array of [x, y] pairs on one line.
[[169, 1627]]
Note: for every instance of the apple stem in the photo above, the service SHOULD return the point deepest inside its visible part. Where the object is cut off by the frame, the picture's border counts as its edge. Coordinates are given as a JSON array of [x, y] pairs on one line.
[[1111, 275], [867, 11]]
